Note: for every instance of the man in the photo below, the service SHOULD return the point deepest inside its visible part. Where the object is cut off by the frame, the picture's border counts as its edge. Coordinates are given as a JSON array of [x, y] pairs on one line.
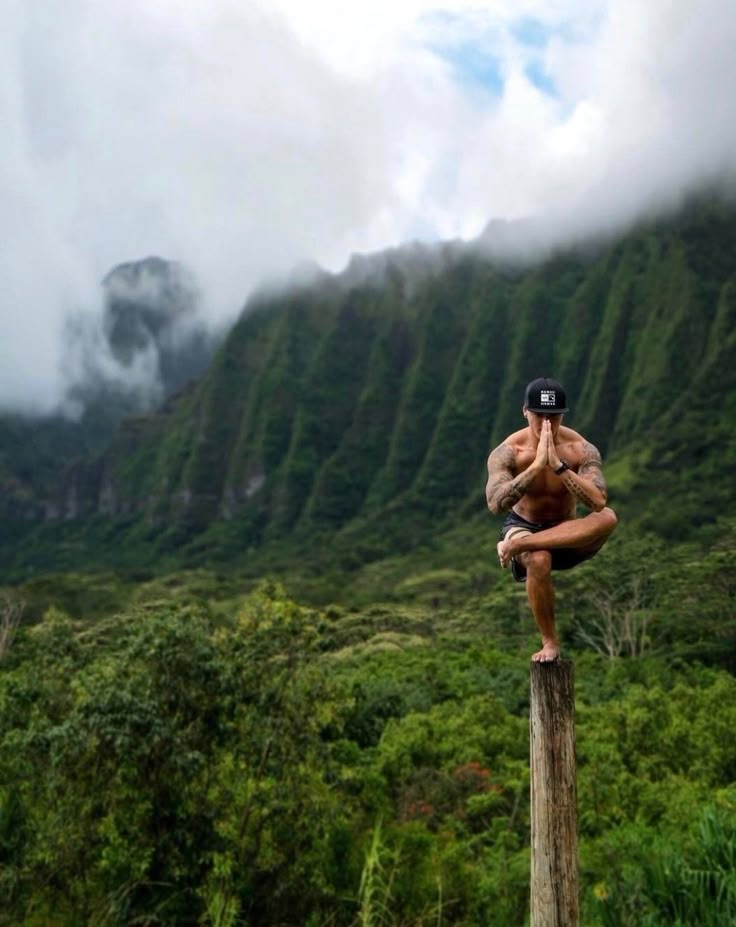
[[538, 475]]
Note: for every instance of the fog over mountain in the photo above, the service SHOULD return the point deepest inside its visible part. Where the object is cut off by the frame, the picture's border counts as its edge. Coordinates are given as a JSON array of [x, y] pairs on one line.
[[148, 342], [240, 141]]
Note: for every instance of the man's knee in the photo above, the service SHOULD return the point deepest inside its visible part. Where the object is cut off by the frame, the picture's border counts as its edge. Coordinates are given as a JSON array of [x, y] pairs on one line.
[[538, 563], [605, 521], [608, 519]]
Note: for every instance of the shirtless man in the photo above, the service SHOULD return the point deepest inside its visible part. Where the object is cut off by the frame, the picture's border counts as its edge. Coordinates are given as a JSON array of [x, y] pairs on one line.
[[537, 476]]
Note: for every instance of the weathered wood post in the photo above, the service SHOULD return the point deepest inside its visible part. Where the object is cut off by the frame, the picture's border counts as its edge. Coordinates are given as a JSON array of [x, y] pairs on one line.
[[554, 875]]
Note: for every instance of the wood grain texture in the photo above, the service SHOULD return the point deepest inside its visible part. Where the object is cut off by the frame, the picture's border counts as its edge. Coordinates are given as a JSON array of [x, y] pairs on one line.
[[554, 868]]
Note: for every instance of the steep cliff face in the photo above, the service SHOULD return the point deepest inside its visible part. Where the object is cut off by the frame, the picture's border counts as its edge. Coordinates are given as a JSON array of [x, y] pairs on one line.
[[152, 309], [331, 404], [148, 342]]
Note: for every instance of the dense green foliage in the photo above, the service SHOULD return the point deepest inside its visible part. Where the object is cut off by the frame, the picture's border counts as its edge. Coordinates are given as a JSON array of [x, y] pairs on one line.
[[359, 409], [346, 742], [191, 759]]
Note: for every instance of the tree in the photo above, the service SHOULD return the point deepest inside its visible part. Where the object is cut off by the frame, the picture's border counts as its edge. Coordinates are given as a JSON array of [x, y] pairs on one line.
[[11, 611]]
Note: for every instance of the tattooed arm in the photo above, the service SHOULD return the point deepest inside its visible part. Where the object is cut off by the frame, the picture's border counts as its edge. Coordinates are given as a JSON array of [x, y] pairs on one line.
[[588, 485], [505, 487]]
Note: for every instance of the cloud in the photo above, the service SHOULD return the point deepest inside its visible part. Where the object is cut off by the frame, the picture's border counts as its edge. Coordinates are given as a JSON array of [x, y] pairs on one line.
[[242, 139], [148, 343]]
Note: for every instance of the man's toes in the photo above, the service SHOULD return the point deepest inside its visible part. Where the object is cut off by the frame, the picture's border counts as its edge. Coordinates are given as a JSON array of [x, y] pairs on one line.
[[548, 654]]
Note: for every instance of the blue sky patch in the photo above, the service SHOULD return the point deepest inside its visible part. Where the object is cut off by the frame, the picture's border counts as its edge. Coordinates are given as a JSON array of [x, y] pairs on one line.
[[531, 32], [475, 67], [472, 45], [540, 78], [468, 45]]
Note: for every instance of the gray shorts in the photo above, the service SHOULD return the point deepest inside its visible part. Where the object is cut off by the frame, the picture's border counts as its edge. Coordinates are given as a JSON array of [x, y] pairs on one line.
[[563, 558]]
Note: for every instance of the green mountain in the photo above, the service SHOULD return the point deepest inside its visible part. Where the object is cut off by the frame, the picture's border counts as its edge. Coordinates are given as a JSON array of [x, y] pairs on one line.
[[148, 342], [354, 414], [184, 740]]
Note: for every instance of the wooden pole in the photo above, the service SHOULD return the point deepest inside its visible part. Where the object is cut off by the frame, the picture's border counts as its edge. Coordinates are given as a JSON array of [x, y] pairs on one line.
[[554, 875]]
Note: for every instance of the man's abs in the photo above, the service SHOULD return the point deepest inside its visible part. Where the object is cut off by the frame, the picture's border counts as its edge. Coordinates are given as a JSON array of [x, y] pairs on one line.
[[548, 507]]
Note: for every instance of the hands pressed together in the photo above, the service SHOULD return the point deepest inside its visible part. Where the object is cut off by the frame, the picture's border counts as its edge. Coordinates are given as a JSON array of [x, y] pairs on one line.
[[547, 455]]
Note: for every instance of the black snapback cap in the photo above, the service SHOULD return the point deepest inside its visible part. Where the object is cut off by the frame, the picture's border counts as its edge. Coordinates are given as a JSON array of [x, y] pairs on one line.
[[545, 395]]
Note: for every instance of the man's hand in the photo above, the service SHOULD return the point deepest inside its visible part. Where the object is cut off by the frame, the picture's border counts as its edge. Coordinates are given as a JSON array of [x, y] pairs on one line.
[[542, 458], [553, 459]]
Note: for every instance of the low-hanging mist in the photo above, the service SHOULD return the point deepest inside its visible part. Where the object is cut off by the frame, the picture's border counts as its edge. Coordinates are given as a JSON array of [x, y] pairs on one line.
[[243, 141]]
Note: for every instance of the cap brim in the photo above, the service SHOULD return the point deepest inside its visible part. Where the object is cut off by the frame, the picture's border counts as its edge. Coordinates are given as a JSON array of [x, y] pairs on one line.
[[548, 410]]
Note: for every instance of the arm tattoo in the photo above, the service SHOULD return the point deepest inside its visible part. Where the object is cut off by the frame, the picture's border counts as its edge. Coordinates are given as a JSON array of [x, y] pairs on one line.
[[590, 469], [577, 490], [504, 489]]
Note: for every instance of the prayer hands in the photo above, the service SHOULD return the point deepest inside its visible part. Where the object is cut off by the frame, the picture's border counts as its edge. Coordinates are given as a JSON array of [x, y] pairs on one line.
[[547, 455], [553, 458], [542, 458]]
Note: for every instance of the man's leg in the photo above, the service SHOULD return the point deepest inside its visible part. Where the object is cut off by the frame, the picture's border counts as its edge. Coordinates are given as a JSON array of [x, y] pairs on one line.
[[586, 534], [541, 595], [513, 531]]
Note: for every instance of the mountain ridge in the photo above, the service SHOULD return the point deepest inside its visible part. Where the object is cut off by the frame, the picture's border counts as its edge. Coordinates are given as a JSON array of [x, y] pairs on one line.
[[348, 397]]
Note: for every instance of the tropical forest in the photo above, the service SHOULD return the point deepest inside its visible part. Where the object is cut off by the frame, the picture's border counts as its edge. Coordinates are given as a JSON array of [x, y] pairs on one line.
[[259, 664]]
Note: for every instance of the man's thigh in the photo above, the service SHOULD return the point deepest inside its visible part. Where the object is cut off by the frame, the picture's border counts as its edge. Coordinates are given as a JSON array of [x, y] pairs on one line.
[[565, 558], [515, 531], [518, 570]]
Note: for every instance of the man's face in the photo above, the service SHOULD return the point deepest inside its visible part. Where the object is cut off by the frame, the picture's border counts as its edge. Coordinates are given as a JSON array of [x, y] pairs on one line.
[[535, 420]]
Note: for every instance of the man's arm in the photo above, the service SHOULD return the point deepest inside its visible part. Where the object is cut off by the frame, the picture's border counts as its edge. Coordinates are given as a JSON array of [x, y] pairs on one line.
[[588, 484], [505, 487]]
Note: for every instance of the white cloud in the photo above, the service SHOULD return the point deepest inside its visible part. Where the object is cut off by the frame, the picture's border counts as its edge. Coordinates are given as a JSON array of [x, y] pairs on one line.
[[243, 138]]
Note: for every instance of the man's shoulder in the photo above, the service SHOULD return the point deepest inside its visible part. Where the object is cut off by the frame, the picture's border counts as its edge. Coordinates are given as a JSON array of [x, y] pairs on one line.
[[507, 451], [518, 439], [570, 436], [510, 446], [575, 444]]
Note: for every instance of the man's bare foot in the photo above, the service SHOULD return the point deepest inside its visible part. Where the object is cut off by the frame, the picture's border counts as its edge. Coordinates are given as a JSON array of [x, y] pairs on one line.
[[548, 654], [505, 552]]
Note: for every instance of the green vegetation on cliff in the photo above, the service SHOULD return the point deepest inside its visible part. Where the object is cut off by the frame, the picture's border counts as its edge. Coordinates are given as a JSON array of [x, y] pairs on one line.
[[182, 752], [360, 408], [182, 742]]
